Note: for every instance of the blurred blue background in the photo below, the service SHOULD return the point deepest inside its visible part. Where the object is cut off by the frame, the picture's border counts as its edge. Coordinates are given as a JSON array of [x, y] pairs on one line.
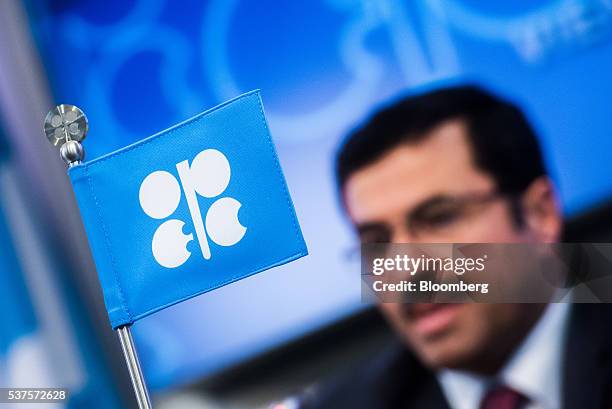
[[138, 66]]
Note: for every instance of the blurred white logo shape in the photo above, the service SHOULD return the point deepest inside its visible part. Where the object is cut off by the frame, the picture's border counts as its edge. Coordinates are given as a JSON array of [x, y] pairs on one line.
[[160, 194], [210, 173], [222, 222], [170, 244]]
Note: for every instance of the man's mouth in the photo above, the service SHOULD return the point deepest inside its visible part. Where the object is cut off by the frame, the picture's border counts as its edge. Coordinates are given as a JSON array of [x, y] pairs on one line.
[[431, 319]]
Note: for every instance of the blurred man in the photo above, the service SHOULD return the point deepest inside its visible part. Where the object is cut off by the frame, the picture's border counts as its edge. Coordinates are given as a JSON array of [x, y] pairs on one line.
[[461, 165]]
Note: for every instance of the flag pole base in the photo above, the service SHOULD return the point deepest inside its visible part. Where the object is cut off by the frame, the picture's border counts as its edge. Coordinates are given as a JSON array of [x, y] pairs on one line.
[[131, 359]]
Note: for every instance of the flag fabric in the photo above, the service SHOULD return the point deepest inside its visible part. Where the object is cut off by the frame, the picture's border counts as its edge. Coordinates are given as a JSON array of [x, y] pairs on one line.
[[190, 209]]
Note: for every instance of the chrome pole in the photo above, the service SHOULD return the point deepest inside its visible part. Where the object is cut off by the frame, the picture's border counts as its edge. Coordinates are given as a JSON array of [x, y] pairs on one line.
[[131, 359], [65, 127]]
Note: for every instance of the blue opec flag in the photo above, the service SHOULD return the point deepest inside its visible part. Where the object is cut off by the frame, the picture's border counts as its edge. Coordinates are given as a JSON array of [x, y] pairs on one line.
[[188, 210]]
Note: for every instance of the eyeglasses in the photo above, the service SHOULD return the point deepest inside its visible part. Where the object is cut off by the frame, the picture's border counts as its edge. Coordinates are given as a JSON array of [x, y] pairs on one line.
[[437, 217]]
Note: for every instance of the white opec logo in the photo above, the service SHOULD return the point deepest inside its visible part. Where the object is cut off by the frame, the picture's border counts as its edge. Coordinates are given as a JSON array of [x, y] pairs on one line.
[[160, 195]]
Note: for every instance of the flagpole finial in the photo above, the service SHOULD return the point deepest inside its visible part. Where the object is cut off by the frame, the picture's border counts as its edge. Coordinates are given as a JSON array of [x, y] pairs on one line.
[[66, 126], [72, 153]]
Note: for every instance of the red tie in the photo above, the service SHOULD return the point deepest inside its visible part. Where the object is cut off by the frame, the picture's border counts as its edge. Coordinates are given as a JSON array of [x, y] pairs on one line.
[[503, 397]]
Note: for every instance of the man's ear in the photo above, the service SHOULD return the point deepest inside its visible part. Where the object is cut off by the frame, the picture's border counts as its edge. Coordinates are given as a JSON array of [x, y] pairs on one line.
[[542, 212]]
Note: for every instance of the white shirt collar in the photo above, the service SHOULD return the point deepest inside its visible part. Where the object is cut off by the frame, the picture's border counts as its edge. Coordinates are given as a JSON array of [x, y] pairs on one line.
[[462, 390], [534, 369]]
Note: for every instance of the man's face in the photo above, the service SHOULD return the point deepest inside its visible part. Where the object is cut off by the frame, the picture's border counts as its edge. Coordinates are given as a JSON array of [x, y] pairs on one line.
[[431, 172]]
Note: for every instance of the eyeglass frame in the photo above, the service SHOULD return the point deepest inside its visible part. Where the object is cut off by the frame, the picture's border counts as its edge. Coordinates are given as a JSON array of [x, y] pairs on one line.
[[469, 199]]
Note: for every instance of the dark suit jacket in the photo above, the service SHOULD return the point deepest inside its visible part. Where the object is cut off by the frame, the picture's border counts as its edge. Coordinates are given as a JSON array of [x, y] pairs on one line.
[[397, 380]]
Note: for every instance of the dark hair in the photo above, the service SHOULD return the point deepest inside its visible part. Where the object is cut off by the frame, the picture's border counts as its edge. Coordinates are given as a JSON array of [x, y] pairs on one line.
[[503, 142]]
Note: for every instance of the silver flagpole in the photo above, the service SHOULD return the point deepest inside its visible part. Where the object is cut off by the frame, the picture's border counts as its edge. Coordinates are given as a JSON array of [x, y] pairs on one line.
[[131, 358], [65, 127]]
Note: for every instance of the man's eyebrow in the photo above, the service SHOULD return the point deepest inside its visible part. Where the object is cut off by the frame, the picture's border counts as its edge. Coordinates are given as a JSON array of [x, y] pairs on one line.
[[434, 200], [370, 226], [377, 226]]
